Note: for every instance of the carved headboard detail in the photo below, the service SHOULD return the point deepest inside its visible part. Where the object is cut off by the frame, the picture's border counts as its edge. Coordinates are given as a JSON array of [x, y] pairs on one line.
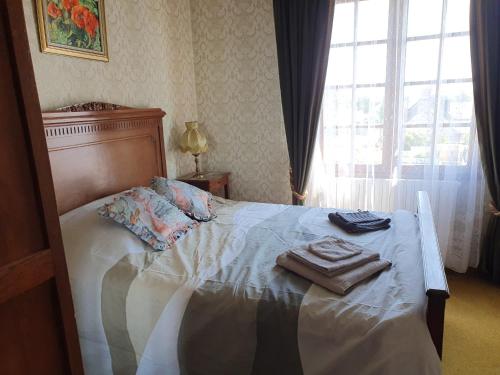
[[53, 129], [95, 153], [91, 106]]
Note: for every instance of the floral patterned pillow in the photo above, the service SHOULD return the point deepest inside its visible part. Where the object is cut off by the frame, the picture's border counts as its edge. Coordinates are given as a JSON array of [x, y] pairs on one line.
[[149, 216], [195, 203]]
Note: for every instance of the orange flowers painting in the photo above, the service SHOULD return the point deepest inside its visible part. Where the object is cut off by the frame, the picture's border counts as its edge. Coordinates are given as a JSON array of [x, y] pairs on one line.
[[73, 27]]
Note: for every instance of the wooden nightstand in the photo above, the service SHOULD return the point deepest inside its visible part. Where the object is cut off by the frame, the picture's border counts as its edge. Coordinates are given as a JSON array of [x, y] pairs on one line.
[[216, 183]]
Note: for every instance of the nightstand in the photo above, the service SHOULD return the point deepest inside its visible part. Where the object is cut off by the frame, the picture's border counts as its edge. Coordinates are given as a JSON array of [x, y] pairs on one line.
[[216, 183]]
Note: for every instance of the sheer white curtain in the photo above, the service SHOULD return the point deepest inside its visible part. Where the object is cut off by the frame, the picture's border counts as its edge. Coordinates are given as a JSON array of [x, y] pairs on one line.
[[397, 117]]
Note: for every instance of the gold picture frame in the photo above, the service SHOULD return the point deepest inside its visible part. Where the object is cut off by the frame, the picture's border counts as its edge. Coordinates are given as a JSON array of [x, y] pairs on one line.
[[74, 28]]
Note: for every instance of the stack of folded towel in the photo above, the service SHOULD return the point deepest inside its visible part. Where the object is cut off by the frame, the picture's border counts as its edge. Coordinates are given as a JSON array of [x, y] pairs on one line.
[[333, 263], [358, 222]]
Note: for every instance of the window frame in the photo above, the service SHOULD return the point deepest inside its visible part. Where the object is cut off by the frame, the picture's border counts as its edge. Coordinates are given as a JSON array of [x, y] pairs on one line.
[[394, 96]]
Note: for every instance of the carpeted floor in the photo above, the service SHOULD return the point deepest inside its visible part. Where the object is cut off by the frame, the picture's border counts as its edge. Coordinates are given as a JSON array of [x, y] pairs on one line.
[[472, 327]]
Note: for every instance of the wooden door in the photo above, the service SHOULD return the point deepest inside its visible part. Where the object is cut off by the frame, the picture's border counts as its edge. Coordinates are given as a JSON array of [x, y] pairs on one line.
[[37, 326]]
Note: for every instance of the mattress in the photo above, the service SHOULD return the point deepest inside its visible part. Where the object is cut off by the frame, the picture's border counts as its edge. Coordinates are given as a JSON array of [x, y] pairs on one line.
[[216, 303]]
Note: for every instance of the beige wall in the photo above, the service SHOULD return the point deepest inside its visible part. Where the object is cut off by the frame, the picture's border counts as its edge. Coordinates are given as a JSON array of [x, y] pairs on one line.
[[238, 95], [230, 83], [151, 65]]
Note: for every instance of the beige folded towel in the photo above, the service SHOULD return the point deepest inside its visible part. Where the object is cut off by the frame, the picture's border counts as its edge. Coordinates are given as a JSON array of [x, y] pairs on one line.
[[333, 249], [329, 268], [340, 284]]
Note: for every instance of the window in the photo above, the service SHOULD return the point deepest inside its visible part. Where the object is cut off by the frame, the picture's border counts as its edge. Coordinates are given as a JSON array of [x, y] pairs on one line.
[[397, 117], [398, 88]]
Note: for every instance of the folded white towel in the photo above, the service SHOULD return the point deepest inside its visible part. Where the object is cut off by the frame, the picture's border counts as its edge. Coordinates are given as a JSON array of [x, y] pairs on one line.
[[329, 268], [333, 249], [340, 284]]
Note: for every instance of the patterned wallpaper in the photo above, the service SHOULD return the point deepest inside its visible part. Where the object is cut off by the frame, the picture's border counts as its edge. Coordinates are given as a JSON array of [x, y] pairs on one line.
[[151, 65], [238, 96], [230, 83]]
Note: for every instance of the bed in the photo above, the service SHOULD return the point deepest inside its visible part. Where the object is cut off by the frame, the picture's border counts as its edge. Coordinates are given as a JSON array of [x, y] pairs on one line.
[[216, 303]]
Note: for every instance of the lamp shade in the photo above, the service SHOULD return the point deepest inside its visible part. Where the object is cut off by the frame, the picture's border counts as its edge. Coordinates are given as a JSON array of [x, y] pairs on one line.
[[192, 140]]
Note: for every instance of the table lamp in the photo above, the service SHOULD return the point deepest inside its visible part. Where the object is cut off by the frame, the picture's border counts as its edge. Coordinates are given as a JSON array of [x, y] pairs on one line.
[[193, 141]]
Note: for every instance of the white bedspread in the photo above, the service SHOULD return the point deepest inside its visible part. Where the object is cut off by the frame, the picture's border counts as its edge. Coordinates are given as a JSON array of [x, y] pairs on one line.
[[216, 303]]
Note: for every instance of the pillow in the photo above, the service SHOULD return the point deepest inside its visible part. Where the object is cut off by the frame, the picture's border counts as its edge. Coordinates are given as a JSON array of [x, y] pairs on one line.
[[194, 202], [149, 216]]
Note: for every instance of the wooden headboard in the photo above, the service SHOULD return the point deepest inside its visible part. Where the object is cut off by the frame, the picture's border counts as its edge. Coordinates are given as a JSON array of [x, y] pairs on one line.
[[98, 149]]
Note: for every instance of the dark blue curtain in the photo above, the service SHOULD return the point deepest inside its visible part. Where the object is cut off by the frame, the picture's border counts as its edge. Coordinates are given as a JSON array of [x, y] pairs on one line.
[[485, 53], [303, 31]]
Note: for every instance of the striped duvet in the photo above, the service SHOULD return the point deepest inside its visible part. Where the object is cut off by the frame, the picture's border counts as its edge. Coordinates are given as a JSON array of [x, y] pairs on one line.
[[216, 303]]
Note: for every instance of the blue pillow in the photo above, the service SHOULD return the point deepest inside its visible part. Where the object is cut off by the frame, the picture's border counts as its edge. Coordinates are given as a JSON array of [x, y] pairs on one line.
[[194, 202]]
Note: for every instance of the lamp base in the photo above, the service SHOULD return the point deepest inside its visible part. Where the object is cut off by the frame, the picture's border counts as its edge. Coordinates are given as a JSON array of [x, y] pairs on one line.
[[198, 173]]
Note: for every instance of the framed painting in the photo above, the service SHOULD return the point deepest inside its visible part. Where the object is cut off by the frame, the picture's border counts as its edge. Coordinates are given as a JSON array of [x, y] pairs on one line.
[[73, 27]]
